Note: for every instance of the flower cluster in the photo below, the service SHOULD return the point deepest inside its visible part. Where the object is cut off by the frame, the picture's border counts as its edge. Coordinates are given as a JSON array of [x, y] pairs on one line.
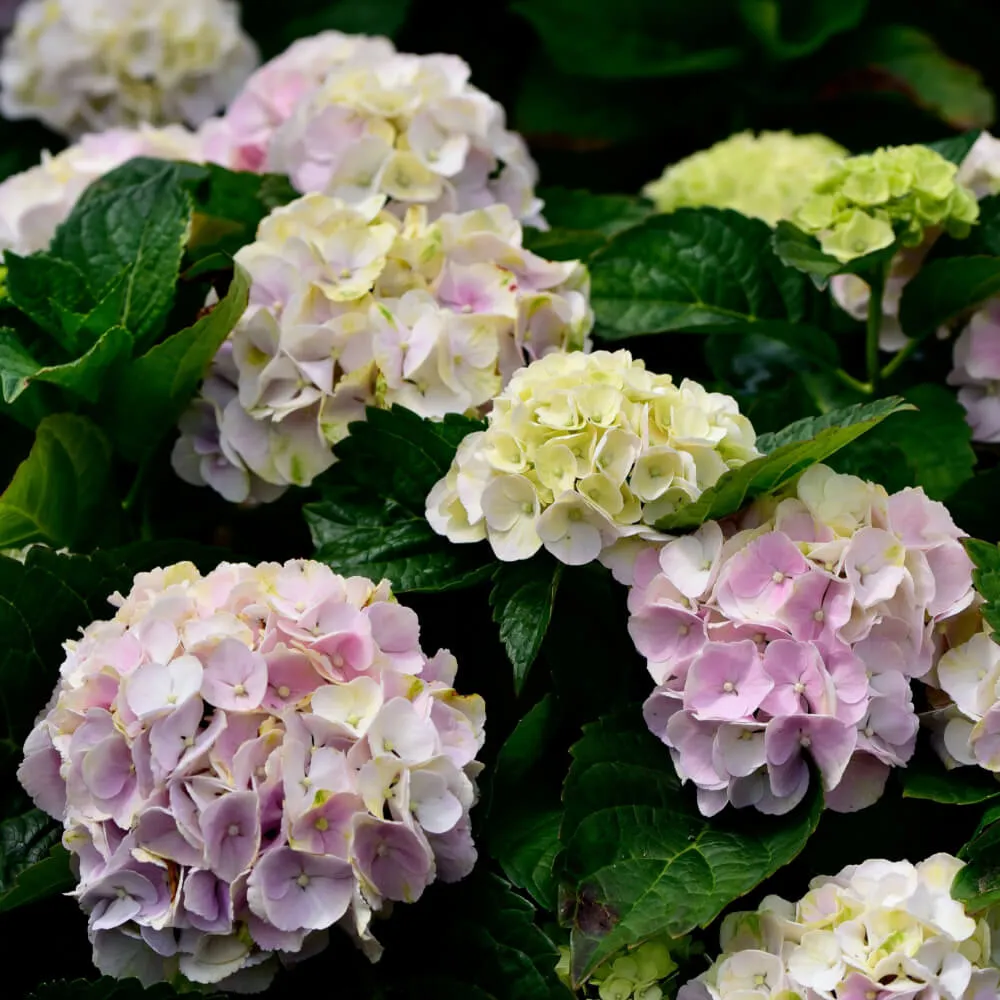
[[35, 202], [764, 176], [352, 117], [244, 759], [638, 973], [86, 65], [351, 307], [881, 930], [791, 635], [584, 452], [977, 372], [864, 203]]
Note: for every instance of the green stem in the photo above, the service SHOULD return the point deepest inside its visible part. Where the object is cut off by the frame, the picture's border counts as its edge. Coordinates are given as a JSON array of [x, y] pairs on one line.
[[901, 355], [874, 326], [852, 382]]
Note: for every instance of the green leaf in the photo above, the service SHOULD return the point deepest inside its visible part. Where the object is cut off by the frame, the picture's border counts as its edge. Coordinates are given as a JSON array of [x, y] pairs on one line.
[[59, 487], [607, 214], [638, 858], [309, 17], [137, 219], [972, 505], [635, 38], [86, 376], [42, 287], [33, 862], [522, 598], [154, 389], [930, 447], [787, 453], [911, 60], [801, 251], [16, 365], [790, 29], [956, 147], [978, 883], [944, 289], [771, 352], [694, 270], [525, 811], [86, 328], [925, 777], [371, 518], [986, 577]]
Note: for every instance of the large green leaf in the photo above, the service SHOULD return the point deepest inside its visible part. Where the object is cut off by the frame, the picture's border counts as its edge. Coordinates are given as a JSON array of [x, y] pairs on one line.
[[943, 289], [42, 286], [87, 375], [138, 222], [972, 505], [925, 777], [635, 38], [786, 454], [16, 365], [790, 29], [371, 518], [33, 862], [986, 577], [930, 447], [694, 270], [59, 487], [978, 883], [638, 858], [522, 598], [107, 988], [911, 60], [154, 389], [525, 811]]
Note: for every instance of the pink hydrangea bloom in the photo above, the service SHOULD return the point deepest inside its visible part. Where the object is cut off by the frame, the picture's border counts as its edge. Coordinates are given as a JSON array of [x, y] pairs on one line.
[[244, 759], [790, 635], [977, 372]]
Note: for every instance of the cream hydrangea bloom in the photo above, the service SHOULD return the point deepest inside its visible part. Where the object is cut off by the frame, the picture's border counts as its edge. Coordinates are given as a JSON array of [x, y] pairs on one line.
[[34, 202], [877, 931], [351, 307], [583, 452], [86, 65], [763, 176]]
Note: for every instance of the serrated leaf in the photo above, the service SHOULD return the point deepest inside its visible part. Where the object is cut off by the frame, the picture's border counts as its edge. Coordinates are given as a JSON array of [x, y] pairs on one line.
[[86, 328], [42, 286], [786, 454], [374, 501], [137, 218], [986, 577], [58, 487], [694, 270], [155, 388], [944, 289], [639, 859], [522, 598], [33, 862], [16, 365], [86, 376], [925, 777], [525, 810], [978, 883]]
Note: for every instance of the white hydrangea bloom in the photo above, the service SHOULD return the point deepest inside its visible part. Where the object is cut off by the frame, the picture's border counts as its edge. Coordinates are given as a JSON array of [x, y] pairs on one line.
[[87, 65], [35, 202], [351, 117], [351, 307], [881, 930], [980, 170], [584, 453]]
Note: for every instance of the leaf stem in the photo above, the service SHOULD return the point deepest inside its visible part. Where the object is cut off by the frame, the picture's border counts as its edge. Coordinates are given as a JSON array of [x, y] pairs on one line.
[[874, 325], [853, 383], [901, 355]]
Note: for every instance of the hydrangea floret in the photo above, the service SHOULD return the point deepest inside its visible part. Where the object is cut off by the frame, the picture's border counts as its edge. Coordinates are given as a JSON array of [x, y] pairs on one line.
[[87, 65], [242, 760], [881, 930], [789, 636], [351, 307], [636, 973], [976, 372], [583, 452], [764, 176], [352, 117], [33, 203], [864, 203]]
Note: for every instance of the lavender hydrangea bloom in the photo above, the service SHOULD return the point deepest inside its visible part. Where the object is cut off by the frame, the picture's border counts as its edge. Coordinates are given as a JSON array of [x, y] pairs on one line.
[[245, 759]]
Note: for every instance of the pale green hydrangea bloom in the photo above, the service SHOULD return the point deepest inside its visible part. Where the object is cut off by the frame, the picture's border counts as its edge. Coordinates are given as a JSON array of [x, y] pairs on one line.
[[865, 202], [636, 973], [764, 176]]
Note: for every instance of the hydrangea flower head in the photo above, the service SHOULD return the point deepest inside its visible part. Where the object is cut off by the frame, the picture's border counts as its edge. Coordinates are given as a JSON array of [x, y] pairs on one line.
[[351, 307], [87, 65], [242, 760], [764, 176], [352, 117], [34, 203], [790, 635], [881, 930], [583, 452], [977, 372], [864, 203]]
